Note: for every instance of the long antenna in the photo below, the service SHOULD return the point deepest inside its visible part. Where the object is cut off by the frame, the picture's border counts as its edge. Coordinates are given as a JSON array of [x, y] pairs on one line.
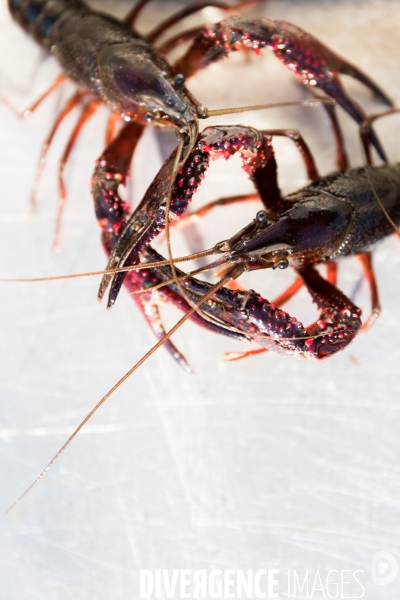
[[229, 276], [141, 266], [240, 109]]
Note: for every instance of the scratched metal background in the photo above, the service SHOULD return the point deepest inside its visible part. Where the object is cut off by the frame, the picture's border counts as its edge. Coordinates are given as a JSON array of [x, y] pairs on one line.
[[263, 463]]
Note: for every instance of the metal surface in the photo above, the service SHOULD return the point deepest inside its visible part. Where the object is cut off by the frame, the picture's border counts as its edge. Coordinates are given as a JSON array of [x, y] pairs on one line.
[[263, 463]]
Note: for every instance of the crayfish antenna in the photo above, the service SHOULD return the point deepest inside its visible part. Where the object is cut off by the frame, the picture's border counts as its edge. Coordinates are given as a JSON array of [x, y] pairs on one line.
[[109, 271], [240, 109], [232, 274]]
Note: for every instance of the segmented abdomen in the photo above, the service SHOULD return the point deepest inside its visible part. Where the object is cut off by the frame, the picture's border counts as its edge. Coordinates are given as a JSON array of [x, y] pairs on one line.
[[74, 34], [38, 17]]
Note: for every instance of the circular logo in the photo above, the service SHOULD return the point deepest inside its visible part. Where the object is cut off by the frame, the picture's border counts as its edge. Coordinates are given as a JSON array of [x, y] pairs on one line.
[[384, 568]]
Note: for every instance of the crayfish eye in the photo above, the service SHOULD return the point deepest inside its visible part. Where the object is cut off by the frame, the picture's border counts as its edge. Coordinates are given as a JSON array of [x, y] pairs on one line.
[[262, 216], [149, 117], [283, 264], [179, 80]]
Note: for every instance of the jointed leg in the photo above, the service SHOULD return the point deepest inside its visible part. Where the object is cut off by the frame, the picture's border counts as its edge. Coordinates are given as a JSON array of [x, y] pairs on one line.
[[331, 272], [131, 17], [87, 112], [367, 133], [341, 156], [112, 121], [303, 148], [233, 356], [265, 177], [70, 105], [198, 214], [133, 14], [366, 261], [36, 103], [149, 309], [179, 38]]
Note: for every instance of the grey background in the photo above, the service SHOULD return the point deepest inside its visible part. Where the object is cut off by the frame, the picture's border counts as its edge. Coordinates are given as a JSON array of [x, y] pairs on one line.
[[262, 463]]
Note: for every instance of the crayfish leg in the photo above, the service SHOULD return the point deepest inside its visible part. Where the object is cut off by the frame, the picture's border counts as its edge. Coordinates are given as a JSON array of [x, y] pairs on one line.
[[112, 121], [347, 68], [28, 111], [201, 212], [234, 356], [367, 133], [289, 292], [149, 308], [342, 161], [87, 112], [305, 152], [366, 261], [112, 214], [69, 106], [133, 14], [297, 284], [331, 272]]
